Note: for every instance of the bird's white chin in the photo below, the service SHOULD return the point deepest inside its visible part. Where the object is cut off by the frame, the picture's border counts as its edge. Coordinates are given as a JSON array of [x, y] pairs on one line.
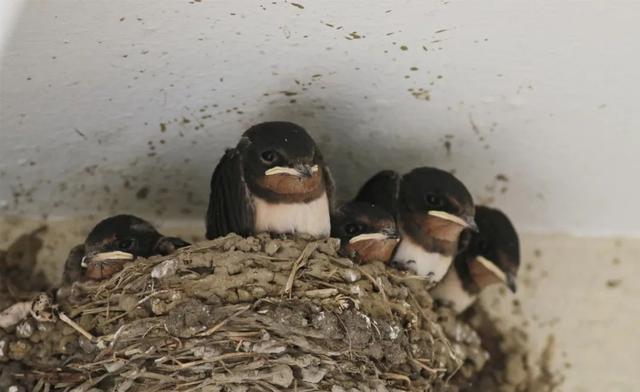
[[412, 256]]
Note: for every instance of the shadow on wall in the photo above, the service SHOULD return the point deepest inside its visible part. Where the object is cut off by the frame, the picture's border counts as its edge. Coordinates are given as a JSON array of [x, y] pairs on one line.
[[116, 122]]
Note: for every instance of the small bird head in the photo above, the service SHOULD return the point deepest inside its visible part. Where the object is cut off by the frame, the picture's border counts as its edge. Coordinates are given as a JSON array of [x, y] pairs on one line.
[[124, 233], [367, 233], [492, 254], [281, 162], [436, 204], [115, 241]]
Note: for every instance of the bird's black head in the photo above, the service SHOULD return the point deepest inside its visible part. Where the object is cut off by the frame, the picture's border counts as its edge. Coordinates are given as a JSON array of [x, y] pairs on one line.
[[432, 203], [366, 232], [492, 255], [281, 162], [381, 190], [125, 233]]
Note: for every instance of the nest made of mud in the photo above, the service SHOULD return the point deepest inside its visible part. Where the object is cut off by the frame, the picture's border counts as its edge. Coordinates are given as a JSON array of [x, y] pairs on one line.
[[244, 314]]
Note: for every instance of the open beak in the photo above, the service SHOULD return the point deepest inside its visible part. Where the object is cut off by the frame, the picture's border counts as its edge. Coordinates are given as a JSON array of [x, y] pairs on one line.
[[104, 256], [297, 170], [507, 278], [467, 222]]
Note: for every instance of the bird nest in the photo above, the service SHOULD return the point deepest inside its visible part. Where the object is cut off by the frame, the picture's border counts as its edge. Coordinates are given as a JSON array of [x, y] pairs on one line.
[[242, 314]]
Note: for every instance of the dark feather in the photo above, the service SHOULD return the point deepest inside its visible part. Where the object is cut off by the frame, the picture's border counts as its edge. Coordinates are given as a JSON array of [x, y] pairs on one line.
[[168, 245], [73, 271], [381, 190], [230, 206]]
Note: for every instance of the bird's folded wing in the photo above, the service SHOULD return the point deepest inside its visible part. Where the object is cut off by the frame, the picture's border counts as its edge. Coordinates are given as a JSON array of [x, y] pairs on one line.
[[230, 205]]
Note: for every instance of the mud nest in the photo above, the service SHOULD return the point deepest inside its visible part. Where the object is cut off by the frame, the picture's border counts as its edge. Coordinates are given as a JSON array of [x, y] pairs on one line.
[[242, 314]]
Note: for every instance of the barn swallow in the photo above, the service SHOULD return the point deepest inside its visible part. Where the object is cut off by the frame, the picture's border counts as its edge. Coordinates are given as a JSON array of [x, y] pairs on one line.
[[431, 207], [367, 233], [275, 180], [113, 242], [490, 256]]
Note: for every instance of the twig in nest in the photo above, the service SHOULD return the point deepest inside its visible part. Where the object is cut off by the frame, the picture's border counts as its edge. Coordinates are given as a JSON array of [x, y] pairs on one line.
[[331, 285], [397, 377], [210, 360], [306, 252], [90, 365], [427, 368], [108, 306], [64, 318], [453, 373], [116, 336], [424, 315], [216, 327], [346, 331]]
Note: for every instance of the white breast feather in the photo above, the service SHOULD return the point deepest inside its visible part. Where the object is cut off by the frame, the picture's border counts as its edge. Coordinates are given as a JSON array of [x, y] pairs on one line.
[[310, 218], [450, 290], [430, 264]]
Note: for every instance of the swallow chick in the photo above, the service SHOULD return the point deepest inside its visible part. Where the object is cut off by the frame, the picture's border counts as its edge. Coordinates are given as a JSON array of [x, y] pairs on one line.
[[275, 180], [431, 207], [112, 243], [491, 256], [367, 233]]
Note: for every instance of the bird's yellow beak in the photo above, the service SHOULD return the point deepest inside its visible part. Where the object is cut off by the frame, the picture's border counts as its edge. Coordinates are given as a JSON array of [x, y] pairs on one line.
[[104, 256], [467, 222], [298, 171]]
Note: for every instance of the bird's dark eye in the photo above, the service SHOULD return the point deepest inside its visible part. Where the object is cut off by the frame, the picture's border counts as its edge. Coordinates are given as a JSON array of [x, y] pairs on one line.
[[127, 244], [269, 156], [353, 228], [435, 200]]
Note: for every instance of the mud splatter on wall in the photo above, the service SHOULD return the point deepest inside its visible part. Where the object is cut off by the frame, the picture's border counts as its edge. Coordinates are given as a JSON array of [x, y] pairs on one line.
[[117, 106]]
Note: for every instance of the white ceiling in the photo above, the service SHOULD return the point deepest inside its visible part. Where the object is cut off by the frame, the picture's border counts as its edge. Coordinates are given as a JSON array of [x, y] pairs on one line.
[[101, 101]]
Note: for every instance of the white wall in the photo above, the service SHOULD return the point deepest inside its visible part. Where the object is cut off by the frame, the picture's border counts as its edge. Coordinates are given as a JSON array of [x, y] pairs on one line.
[[545, 93]]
